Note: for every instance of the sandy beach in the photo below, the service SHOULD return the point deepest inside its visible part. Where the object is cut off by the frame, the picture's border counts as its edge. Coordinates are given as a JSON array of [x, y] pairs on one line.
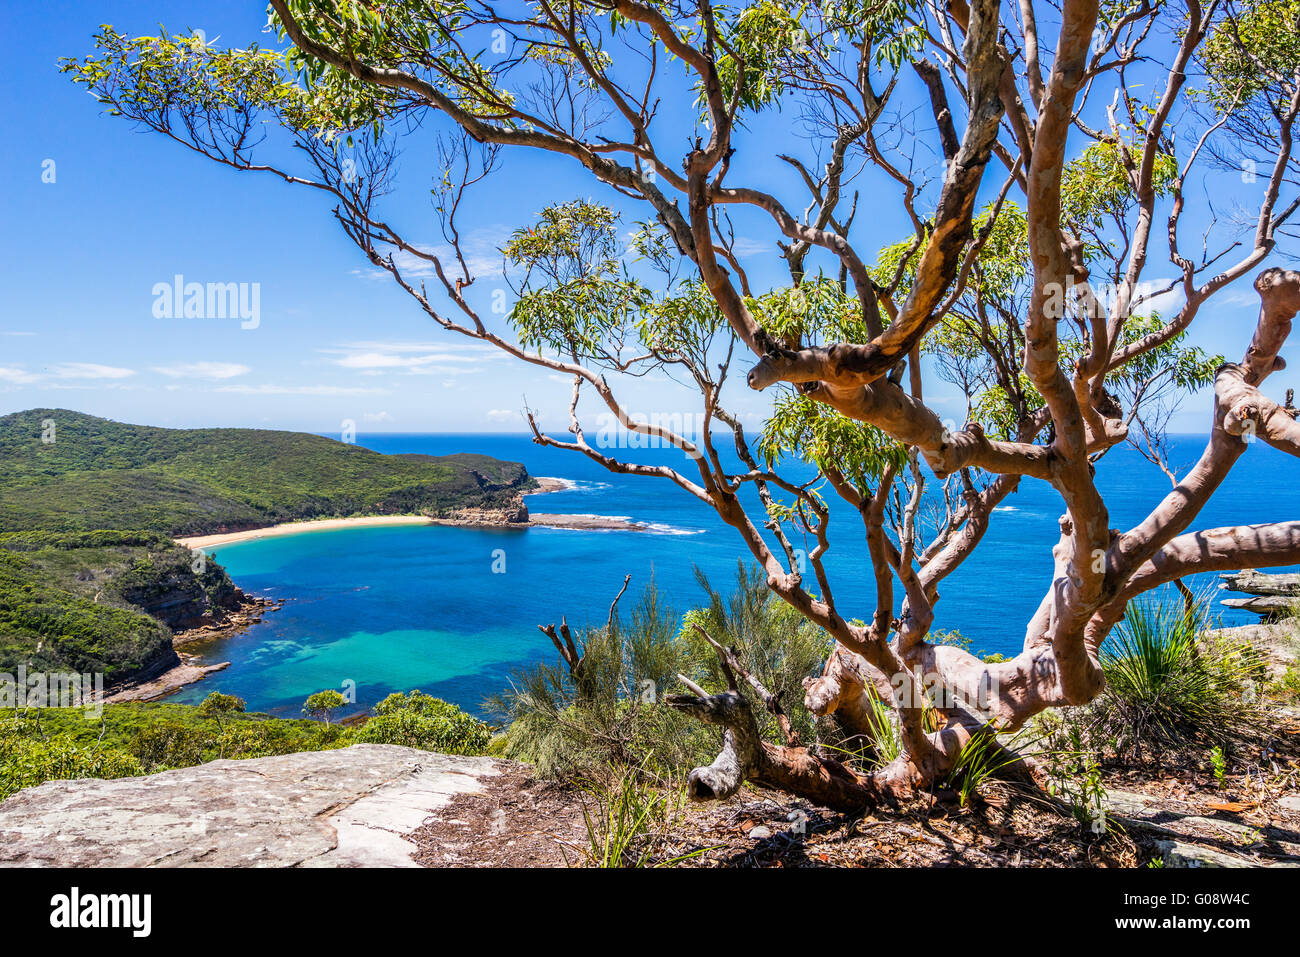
[[295, 528], [545, 484]]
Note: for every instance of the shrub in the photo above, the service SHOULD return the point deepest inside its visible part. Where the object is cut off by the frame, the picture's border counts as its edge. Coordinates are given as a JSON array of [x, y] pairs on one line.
[[421, 721], [1071, 767], [1286, 686], [218, 706], [28, 759], [773, 642], [141, 738], [572, 721], [1168, 685], [168, 744], [886, 738], [322, 703]]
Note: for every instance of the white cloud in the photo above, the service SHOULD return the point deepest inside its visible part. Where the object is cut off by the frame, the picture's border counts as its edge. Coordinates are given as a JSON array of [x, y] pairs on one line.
[[6, 332], [410, 265], [17, 375], [299, 390], [63, 372], [390, 360], [1164, 302], [203, 370], [452, 344], [376, 417], [444, 370], [1239, 297], [90, 370], [746, 248], [501, 415], [413, 358]]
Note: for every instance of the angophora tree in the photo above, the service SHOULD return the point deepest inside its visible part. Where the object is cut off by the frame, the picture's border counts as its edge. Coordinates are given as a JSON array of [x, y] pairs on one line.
[[1040, 156]]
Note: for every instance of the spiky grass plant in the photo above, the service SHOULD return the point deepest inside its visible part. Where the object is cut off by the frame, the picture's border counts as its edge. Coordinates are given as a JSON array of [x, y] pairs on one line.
[[1172, 686], [629, 815], [887, 742]]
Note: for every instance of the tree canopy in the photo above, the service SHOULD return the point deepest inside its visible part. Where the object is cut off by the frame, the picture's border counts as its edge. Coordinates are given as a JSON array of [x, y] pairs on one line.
[[1040, 157]]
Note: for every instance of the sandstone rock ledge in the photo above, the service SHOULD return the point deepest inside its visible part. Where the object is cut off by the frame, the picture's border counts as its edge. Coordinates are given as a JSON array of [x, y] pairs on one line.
[[352, 807]]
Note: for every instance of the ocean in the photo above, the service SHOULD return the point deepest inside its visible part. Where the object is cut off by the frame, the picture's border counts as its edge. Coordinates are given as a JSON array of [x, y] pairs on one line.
[[454, 611]]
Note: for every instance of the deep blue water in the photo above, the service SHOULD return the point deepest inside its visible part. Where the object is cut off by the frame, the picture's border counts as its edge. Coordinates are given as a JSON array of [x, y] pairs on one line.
[[421, 607]]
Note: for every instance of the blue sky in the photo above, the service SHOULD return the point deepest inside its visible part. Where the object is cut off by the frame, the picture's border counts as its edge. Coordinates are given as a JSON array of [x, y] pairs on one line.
[[128, 210]]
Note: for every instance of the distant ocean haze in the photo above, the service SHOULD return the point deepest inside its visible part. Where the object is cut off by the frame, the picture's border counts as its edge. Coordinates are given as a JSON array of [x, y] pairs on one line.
[[454, 611]]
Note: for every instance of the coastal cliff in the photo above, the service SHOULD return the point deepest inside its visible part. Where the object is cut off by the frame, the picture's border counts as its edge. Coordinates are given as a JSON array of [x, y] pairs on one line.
[[108, 602], [502, 499], [505, 507]]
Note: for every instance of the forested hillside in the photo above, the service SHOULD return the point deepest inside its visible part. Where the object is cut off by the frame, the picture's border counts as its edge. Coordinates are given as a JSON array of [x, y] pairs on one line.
[[66, 471], [102, 601]]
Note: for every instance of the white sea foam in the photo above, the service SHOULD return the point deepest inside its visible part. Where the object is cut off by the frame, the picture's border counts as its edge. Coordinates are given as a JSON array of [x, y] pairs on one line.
[[587, 486], [573, 485], [659, 528]]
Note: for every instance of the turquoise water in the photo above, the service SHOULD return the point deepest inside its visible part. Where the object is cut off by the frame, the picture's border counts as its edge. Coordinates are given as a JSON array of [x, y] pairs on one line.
[[401, 607]]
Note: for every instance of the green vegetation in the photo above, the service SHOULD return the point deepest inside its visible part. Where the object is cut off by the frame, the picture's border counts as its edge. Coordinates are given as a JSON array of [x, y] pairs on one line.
[[1286, 686], [101, 602], [1073, 773], [886, 739], [323, 703], [98, 474], [217, 706], [46, 744], [978, 761], [597, 719], [1177, 693], [576, 719], [27, 759], [628, 818], [417, 720], [1169, 686], [1220, 765]]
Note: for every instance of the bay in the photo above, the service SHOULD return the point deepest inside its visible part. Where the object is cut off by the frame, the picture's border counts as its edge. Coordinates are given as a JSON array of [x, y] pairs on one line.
[[394, 608]]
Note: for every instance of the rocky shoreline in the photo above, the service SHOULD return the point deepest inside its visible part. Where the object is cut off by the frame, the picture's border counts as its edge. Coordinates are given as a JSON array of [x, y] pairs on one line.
[[586, 523], [517, 515], [250, 611]]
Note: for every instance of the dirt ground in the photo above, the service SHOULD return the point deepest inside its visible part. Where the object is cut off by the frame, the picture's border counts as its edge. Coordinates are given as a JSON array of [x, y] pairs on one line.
[[517, 821], [1155, 816]]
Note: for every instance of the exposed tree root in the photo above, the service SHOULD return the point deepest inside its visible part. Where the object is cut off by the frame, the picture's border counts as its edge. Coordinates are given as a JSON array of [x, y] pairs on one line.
[[745, 756]]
